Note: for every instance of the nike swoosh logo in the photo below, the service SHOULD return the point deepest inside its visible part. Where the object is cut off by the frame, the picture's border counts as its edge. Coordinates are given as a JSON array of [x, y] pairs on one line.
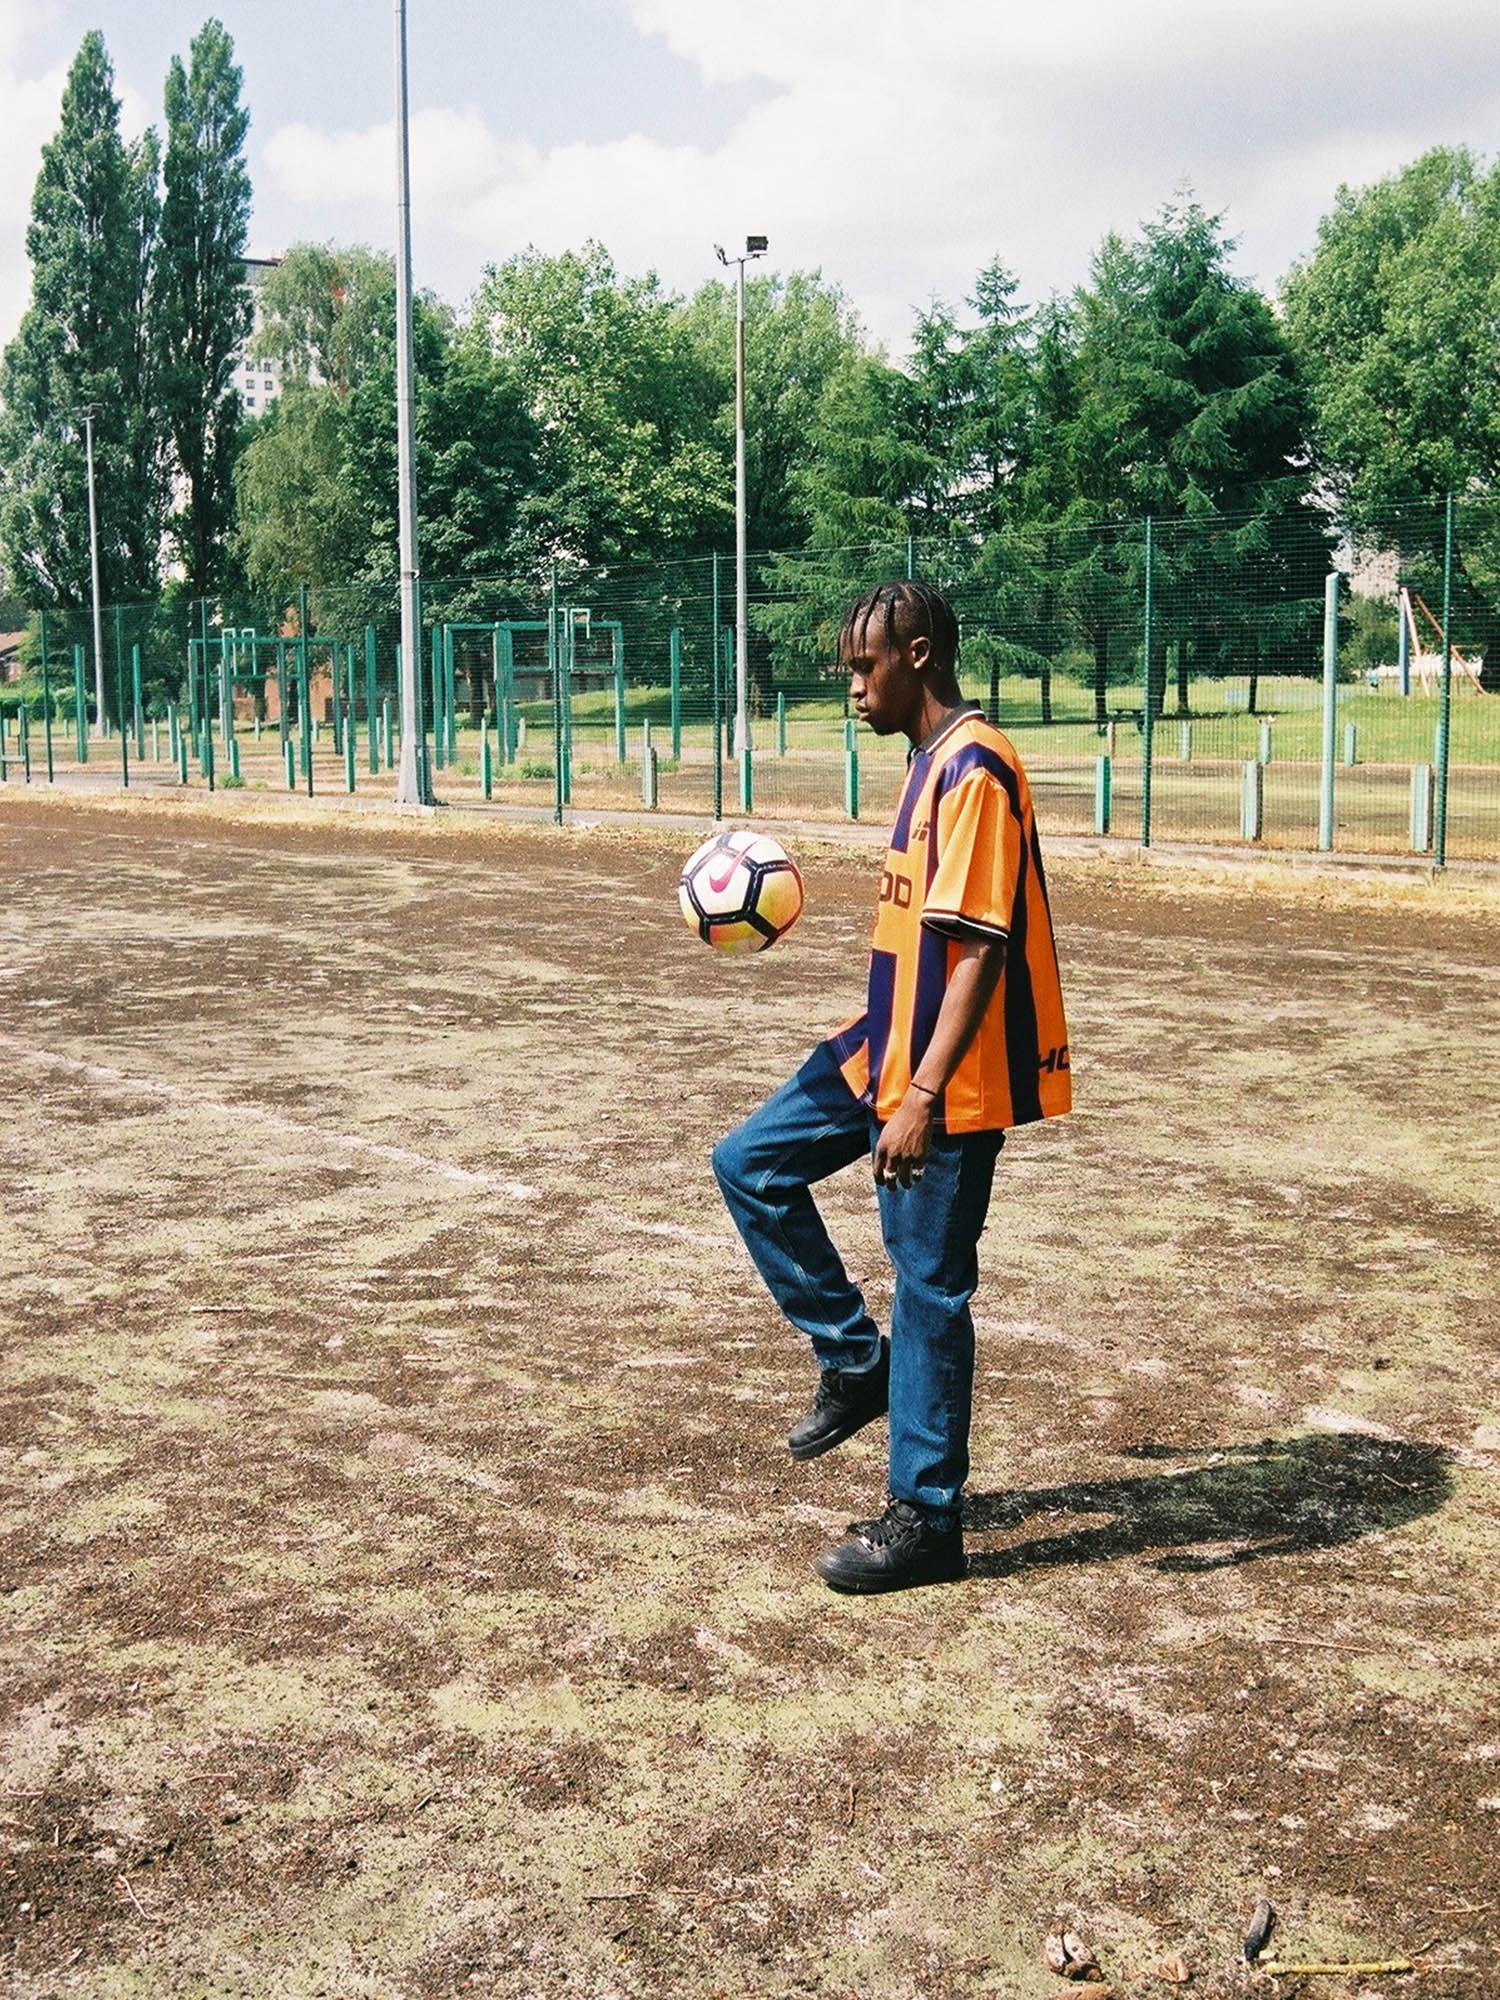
[[720, 882]]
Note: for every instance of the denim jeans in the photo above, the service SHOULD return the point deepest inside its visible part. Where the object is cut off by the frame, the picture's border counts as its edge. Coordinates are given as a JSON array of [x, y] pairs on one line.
[[807, 1130]]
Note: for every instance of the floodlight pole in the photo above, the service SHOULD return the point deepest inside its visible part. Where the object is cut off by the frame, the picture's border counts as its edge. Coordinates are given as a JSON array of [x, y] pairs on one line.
[[412, 785], [88, 413], [755, 246]]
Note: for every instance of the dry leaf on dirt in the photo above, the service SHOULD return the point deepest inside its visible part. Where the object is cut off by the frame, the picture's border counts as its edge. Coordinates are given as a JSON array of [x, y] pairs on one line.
[[1069, 1952], [1175, 1969]]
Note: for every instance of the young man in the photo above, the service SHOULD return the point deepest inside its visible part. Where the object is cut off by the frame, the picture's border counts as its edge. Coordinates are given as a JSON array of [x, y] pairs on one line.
[[962, 1037]]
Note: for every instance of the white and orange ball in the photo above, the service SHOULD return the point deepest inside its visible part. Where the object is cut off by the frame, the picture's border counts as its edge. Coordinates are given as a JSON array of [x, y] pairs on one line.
[[740, 891]]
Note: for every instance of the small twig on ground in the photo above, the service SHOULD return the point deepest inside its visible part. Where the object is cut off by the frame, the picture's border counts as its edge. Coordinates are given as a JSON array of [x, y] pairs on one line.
[[1276, 1968], [615, 1895], [123, 1881]]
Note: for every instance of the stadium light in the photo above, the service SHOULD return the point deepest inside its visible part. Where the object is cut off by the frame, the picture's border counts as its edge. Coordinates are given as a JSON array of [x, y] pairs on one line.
[[413, 785], [755, 246], [87, 414]]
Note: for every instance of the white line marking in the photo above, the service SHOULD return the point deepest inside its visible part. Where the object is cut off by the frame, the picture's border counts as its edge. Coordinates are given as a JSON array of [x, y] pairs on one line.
[[700, 1238], [400, 1156]]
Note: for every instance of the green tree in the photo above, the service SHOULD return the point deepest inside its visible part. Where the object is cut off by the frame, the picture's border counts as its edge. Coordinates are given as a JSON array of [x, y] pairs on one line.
[[623, 404], [1184, 401], [316, 482], [202, 297], [1396, 315], [800, 333], [76, 346]]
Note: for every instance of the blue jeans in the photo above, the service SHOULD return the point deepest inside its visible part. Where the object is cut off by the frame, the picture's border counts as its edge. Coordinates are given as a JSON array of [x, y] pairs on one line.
[[807, 1130]]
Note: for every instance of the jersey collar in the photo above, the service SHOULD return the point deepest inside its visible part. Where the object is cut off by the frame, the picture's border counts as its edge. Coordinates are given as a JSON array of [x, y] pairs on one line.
[[949, 722]]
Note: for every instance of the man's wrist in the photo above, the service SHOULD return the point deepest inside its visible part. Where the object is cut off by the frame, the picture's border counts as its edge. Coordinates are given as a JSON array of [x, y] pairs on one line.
[[925, 1088]]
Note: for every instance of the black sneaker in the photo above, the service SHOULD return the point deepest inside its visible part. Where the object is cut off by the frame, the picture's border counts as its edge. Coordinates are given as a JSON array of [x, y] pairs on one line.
[[899, 1550], [844, 1404]]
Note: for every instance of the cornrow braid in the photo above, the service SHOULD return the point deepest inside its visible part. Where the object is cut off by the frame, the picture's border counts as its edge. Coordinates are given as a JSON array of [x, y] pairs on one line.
[[908, 610]]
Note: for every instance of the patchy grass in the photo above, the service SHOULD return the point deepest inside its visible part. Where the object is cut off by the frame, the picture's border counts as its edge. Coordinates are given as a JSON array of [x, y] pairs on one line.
[[407, 1589]]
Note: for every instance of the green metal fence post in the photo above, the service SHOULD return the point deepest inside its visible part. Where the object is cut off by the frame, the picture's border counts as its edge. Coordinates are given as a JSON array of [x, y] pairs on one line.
[[304, 698], [674, 657], [619, 705], [135, 698], [713, 656], [23, 716], [46, 699], [439, 724], [80, 712], [1147, 713], [1330, 708], [555, 668], [234, 758], [781, 725], [569, 664], [207, 754], [374, 757], [1445, 713], [486, 767], [450, 694], [1103, 793], [851, 770]]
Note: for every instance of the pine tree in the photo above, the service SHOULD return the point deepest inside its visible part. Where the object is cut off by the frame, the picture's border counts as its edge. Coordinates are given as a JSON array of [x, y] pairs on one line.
[[201, 295], [75, 347]]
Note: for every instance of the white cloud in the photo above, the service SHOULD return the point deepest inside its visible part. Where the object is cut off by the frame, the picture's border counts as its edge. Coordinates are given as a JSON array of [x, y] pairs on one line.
[[901, 147], [31, 108], [896, 144]]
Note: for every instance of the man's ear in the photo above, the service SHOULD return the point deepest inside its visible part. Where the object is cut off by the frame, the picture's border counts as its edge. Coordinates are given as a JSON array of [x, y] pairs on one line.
[[919, 652]]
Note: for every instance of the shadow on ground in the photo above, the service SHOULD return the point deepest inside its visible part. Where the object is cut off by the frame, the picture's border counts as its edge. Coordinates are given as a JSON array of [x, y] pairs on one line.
[[1239, 1504]]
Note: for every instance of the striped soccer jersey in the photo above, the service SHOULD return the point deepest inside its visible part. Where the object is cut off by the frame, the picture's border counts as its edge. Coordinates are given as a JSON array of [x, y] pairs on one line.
[[964, 863]]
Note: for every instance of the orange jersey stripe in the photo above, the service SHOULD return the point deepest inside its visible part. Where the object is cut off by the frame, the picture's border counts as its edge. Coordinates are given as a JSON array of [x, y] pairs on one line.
[[964, 863]]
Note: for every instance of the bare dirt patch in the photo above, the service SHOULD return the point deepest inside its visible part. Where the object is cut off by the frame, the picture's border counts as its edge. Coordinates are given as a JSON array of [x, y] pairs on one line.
[[406, 1589]]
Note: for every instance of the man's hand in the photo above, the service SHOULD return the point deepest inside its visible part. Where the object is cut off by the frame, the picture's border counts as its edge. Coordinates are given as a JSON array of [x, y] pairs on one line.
[[905, 1140]]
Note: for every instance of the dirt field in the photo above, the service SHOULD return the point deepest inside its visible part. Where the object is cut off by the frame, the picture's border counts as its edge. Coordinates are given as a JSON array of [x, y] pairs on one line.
[[406, 1588]]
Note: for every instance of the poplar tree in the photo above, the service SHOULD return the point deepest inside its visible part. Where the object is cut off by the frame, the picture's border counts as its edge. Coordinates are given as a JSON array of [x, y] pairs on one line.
[[202, 298], [74, 348]]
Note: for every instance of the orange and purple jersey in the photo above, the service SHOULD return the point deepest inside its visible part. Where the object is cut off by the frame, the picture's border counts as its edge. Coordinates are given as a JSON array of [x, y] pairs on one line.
[[964, 864]]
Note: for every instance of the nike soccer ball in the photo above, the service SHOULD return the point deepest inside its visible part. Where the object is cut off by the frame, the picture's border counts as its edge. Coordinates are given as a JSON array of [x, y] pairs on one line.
[[740, 892]]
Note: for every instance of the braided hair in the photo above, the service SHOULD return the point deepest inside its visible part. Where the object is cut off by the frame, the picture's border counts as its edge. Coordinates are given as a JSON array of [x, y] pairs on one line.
[[908, 610]]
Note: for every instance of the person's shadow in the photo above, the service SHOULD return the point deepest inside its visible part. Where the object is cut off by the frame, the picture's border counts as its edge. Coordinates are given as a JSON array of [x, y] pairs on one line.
[[1235, 1504]]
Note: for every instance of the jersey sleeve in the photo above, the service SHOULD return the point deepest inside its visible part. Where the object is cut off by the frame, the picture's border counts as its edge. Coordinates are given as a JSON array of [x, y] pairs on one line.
[[973, 890]]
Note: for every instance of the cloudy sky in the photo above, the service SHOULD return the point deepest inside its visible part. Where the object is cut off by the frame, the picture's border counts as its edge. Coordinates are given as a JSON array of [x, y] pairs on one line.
[[897, 145]]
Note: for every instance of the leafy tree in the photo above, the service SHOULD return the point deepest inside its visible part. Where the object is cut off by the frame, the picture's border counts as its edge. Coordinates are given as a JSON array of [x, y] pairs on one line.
[[328, 312], [853, 489], [145, 441], [76, 346], [1395, 317], [202, 298], [316, 483], [1184, 401], [800, 334], [623, 404]]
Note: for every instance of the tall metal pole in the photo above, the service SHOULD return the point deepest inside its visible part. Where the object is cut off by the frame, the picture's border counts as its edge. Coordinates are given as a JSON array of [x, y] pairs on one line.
[[741, 593], [755, 246], [89, 413], [412, 787]]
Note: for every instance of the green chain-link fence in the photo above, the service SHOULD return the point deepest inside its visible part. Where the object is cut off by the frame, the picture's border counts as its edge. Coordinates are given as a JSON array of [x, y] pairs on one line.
[[1214, 680]]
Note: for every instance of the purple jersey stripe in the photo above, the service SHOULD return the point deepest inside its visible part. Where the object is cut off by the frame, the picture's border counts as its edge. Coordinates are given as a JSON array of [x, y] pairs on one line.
[[882, 1003]]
